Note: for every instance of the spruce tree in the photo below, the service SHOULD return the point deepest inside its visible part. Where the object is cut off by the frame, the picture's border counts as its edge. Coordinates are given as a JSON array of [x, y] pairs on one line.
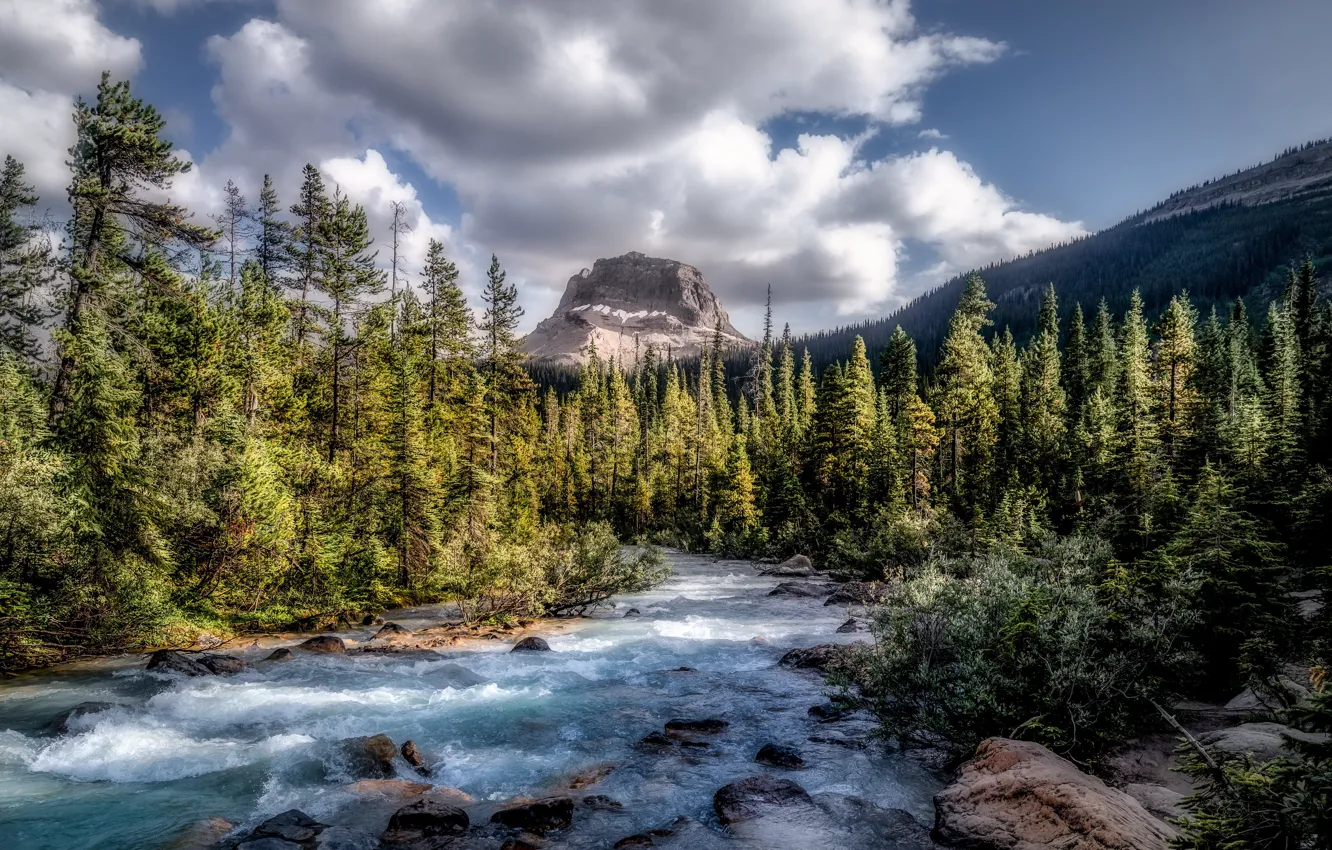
[[500, 354], [965, 398], [25, 264], [307, 247], [897, 371]]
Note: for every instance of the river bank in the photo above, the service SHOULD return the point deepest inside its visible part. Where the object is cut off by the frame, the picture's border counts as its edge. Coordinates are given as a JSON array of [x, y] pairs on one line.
[[495, 725]]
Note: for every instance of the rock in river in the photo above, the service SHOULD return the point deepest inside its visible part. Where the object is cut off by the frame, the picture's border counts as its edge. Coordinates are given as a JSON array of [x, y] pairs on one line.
[[1018, 795], [801, 589], [195, 663], [324, 643], [819, 657], [796, 566], [531, 644], [706, 726], [756, 797], [779, 755], [424, 819], [67, 720], [539, 816], [370, 757]]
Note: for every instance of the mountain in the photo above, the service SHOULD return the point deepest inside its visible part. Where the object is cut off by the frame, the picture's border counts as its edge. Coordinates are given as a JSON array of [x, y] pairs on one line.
[[624, 304], [1233, 237]]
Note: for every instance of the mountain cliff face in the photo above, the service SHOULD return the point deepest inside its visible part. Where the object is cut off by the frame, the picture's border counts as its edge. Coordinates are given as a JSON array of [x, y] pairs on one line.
[[624, 304]]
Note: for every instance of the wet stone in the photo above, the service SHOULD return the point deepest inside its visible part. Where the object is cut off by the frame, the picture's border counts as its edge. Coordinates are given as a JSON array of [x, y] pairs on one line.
[[281, 654], [780, 755], [539, 816], [325, 644], [706, 726], [531, 644]]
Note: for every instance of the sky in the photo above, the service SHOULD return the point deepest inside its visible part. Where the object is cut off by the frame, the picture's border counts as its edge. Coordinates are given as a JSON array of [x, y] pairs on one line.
[[851, 154]]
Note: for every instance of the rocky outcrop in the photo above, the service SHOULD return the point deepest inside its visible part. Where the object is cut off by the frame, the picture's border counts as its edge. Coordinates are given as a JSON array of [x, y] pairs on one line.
[[757, 797], [1157, 799], [195, 663], [531, 644], [324, 643], [624, 304], [1017, 795], [539, 816]]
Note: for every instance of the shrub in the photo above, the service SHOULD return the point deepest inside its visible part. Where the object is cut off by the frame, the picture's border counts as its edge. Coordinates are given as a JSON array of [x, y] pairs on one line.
[[1049, 648]]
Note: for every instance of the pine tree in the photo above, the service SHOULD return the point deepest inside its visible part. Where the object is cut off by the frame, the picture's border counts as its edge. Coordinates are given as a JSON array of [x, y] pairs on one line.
[[1281, 371], [1173, 366], [346, 272], [273, 249], [25, 264], [117, 159], [965, 399], [1138, 436], [897, 371], [499, 351], [449, 341], [1076, 371], [233, 224], [1043, 401], [307, 246]]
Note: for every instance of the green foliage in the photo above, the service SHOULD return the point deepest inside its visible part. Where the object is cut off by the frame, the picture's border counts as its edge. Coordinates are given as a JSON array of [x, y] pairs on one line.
[[1053, 647]]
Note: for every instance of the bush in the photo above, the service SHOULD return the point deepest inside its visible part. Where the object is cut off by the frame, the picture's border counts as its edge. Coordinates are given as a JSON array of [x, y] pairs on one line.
[[560, 570], [1055, 648]]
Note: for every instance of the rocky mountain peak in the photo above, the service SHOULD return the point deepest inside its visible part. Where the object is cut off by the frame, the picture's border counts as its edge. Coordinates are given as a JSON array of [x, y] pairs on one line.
[[624, 304]]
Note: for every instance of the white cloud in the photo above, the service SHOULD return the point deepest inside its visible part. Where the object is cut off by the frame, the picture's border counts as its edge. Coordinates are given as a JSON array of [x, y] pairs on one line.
[[931, 133], [580, 130], [49, 51]]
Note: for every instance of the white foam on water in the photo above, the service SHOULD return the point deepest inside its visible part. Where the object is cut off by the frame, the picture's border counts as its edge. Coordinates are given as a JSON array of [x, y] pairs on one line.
[[121, 751]]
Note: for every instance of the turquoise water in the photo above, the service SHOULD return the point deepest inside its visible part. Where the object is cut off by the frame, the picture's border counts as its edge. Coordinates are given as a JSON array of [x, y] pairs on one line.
[[176, 750]]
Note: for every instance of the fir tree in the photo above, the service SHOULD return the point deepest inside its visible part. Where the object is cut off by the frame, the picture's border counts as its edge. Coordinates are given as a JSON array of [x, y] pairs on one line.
[[25, 264]]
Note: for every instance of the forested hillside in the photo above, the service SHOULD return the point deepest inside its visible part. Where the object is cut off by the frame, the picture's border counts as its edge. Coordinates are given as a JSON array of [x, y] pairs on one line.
[[1092, 522], [1216, 255]]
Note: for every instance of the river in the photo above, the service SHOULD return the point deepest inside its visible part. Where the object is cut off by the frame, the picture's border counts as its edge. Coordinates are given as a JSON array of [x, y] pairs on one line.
[[175, 750]]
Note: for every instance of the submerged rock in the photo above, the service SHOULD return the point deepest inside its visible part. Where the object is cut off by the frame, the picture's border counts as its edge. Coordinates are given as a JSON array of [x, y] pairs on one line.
[[324, 643], [705, 726], [388, 788], [280, 654], [202, 835], [341, 838], [531, 644], [601, 803], [195, 663], [829, 712], [1018, 794], [424, 819], [633, 612], [756, 797], [61, 723], [539, 816], [780, 755], [852, 625], [655, 742]]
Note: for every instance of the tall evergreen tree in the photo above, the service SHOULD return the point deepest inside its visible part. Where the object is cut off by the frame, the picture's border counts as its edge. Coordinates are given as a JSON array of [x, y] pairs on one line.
[[25, 263]]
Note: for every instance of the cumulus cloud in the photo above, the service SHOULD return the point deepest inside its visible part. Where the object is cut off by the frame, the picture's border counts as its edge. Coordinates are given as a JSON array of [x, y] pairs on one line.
[[48, 52], [582, 129], [931, 133]]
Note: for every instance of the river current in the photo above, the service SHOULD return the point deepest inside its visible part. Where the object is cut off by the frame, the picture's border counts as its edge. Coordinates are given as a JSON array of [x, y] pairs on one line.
[[176, 750]]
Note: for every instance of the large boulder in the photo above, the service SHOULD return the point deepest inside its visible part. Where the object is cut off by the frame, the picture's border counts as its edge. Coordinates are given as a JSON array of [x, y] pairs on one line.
[[1157, 799], [424, 819], [539, 816], [329, 644], [531, 644], [1017, 795], [756, 797], [796, 566], [393, 631], [195, 663], [1259, 741]]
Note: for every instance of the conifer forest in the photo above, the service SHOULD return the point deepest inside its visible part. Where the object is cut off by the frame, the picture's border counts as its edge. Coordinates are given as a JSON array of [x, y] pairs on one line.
[[257, 422]]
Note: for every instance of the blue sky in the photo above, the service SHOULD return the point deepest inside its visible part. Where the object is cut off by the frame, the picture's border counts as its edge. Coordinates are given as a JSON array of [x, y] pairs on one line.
[[937, 135]]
